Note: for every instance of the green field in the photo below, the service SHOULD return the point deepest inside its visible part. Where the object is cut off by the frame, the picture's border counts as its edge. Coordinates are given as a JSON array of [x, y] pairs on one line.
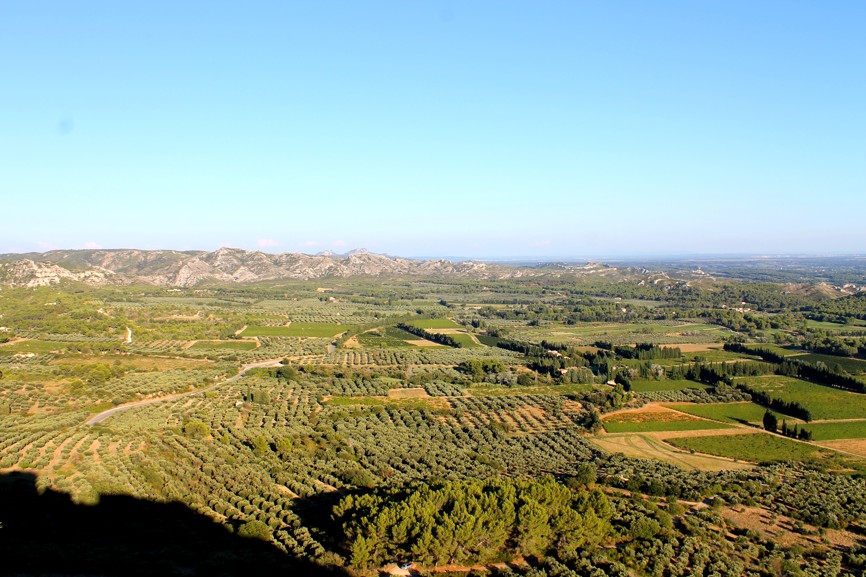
[[649, 386], [297, 330], [779, 350], [709, 356], [465, 341], [823, 402], [225, 345], [719, 355], [836, 327], [758, 448], [649, 426], [853, 366], [488, 340], [434, 324], [726, 412], [386, 337], [833, 431], [37, 346]]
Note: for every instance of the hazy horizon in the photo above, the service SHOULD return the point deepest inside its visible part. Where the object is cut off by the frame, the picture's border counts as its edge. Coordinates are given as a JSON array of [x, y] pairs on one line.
[[490, 129]]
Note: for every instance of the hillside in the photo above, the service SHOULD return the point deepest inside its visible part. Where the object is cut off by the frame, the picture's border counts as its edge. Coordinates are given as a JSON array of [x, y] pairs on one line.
[[183, 269]]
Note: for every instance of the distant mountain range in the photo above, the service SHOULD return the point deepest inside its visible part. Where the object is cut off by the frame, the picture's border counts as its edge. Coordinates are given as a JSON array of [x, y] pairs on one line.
[[226, 265], [231, 265]]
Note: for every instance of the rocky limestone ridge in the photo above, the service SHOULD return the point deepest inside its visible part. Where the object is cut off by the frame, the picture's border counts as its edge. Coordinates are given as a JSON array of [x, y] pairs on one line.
[[28, 273], [226, 265]]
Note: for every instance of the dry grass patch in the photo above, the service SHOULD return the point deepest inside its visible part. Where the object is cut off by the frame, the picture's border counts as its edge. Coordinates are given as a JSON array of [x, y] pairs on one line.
[[408, 393], [664, 435], [696, 347], [657, 415], [423, 343], [647, 447], [781, 529], [855, 446]]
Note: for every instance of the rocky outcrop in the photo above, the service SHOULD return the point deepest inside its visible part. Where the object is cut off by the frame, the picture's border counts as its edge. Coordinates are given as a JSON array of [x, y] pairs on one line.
[[29, 273]]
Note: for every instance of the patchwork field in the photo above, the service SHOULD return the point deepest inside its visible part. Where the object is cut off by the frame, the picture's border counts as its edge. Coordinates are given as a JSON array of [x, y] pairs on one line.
[[647, 447], [653, 418], [823, 402], [856, 325], [743, 413], [385, 414], [850, 365], [465, 340], [852, 446], [756, 448], [390, 336], [296, 330], [832, 431], [649, 385]]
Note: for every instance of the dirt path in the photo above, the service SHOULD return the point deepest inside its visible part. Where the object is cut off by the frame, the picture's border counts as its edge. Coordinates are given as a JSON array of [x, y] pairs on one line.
[[98, 418], [818, 421], [128, 336]]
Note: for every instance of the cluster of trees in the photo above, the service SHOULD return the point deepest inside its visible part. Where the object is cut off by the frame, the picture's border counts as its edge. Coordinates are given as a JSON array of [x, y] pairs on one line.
[[792, 408], [477, 369], [836, 345], [795, 432], [742, 322], [642, 351], [792, 367], [603, 399], [713, 373], [259, 395], [838, 310], [822, 376], [92, 373], [471, 521]]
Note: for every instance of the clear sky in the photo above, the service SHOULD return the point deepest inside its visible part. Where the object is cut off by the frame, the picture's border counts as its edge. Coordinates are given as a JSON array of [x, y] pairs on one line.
[[471, 128]]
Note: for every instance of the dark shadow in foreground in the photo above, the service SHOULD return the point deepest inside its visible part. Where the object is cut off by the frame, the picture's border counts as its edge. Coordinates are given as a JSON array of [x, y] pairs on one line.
[[47, 534]]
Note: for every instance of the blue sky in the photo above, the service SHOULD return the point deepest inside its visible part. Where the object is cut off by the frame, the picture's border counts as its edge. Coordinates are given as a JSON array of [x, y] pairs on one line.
[[488, 129]]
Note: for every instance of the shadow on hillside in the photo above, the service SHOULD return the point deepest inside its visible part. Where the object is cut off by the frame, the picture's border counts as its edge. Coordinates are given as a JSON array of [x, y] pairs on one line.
[[47, 534]]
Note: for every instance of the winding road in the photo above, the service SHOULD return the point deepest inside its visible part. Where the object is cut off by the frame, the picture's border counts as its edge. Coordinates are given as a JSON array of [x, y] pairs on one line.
[[99, 417]]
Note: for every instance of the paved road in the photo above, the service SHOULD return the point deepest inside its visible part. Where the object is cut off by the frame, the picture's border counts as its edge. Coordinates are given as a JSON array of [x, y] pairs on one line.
[[98, 418]]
